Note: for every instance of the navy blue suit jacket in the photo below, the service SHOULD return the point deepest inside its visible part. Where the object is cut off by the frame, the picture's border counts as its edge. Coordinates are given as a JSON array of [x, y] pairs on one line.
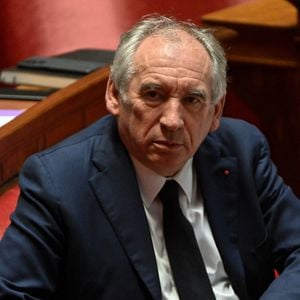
[[80, 231]]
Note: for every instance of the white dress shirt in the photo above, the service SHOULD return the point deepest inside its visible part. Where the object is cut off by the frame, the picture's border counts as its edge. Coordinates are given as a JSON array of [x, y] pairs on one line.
[[192, 206]]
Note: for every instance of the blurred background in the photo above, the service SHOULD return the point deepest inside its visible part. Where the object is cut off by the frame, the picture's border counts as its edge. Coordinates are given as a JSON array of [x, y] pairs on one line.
[[39, 27], [263, 92]]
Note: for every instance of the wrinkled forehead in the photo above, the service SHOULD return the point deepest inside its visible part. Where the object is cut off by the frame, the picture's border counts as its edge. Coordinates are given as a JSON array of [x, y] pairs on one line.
[[176, 47], [171, 38]]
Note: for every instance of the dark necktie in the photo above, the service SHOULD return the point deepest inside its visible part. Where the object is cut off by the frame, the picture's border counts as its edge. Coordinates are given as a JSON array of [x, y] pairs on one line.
[[185, 258]]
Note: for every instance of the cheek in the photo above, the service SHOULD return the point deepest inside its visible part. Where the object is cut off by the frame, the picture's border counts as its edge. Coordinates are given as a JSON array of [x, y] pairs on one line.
[[141, 130], [143, 119], [136, 125], [198, 131], [196, 140]]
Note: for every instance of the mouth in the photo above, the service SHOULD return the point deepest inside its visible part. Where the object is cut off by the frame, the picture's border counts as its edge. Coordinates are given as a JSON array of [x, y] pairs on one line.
[[166, 145]]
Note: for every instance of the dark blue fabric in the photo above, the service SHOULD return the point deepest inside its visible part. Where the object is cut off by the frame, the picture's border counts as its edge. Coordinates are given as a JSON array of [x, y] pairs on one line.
[[80, 231]]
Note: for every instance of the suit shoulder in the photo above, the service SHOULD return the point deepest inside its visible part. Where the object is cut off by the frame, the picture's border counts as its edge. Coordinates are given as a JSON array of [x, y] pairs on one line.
[[237, 126], [237, 129], [235, 135], [85, 136], [76, 147], [71, 159]]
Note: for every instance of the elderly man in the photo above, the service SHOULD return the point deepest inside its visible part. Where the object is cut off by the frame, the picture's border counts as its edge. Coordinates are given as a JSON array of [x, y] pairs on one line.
[[162, 199]]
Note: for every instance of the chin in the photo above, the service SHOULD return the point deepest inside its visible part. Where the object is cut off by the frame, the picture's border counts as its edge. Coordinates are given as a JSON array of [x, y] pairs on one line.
[[166, 169]]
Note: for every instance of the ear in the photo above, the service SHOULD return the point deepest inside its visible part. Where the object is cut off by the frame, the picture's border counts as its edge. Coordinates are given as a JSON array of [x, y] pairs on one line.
[[218, 111], [112, 98]]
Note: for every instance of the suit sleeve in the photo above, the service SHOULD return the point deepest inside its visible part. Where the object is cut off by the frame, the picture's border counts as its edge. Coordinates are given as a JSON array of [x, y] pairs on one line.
[[281, 211], [31, 251]]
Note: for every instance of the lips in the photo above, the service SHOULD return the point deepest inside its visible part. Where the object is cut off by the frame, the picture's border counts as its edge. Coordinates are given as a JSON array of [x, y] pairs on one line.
[[167, 145]]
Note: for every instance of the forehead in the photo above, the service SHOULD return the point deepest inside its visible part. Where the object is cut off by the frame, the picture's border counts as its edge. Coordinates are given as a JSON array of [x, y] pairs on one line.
[[160, 43], [177, 55]]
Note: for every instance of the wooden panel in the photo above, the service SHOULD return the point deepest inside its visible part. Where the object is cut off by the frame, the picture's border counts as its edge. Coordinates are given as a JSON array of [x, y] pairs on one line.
[[261, 39], [56, 117], [262, 32], [274, 14]]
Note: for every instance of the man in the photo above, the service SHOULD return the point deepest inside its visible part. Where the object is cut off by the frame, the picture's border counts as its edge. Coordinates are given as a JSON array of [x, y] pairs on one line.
[[89, 221]]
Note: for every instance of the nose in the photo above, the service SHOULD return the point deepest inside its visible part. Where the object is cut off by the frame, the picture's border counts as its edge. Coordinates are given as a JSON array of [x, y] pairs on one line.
[[172, 117]]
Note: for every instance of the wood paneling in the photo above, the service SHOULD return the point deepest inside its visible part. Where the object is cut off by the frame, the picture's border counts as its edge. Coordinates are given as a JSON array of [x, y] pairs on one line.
[[261, 38], [56, 117]]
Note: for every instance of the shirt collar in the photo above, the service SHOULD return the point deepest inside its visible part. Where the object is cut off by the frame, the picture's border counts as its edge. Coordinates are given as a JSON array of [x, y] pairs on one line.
[[151, 183]]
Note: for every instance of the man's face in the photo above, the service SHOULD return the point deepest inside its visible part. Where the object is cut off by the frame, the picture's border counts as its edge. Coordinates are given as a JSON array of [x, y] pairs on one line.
[[168, 112]]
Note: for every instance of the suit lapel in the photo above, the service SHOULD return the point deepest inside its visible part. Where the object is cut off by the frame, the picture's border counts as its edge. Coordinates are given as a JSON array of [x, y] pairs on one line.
[[218, 179], [117, 191]]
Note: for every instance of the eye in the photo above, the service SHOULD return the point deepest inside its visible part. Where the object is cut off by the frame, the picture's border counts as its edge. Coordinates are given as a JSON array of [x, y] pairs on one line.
[[194, 102], [153, 97], [195, 99], [152, 93]]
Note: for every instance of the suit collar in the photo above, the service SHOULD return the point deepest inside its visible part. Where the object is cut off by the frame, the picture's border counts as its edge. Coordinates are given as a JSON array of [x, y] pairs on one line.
[[116, 189], [218, 178], [122, 203]]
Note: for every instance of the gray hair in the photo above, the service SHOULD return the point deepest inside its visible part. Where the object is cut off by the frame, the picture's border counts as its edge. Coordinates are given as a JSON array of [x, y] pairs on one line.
[[123, 69]]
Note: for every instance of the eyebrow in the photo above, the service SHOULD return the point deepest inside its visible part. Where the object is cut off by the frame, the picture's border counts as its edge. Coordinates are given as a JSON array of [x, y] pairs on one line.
[[150, 86], [198, 93]]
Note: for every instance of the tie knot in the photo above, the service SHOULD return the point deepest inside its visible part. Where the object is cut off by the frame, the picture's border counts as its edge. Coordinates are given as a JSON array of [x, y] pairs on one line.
[[169, 192]]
